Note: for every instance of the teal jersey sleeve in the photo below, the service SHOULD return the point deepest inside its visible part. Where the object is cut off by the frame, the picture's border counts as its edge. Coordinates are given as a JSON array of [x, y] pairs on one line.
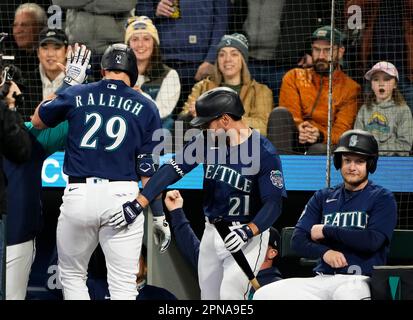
[[51, 139]]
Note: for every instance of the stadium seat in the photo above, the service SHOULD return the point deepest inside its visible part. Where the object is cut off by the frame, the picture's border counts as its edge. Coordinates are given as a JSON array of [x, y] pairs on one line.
[[288, 252], [401, 247]]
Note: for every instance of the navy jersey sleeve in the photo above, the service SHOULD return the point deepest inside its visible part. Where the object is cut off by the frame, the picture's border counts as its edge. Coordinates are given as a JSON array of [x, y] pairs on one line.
[[186, 240], [153, 124], [301, 240], [147, 158], [172, 171], [54, 111], [191, 155], [272, 189], [271, 179], [380, 226]]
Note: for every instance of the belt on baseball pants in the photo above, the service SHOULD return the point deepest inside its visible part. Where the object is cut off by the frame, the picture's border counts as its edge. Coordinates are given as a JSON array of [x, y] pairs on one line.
[[83, 179], [229, 223]]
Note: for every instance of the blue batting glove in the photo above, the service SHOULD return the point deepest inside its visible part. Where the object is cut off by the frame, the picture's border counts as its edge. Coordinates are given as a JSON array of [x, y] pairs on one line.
[[128, 214]]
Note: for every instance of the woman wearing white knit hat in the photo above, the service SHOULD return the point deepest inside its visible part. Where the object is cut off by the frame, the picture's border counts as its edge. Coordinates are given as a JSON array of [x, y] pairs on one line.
[[155, 78]]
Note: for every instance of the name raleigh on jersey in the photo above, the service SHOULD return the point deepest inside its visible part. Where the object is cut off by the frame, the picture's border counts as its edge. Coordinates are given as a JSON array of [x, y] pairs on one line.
[[108, 100]]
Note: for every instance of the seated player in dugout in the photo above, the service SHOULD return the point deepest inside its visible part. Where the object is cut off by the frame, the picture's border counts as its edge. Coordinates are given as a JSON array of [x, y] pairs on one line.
[[300, 123], [348, 227]]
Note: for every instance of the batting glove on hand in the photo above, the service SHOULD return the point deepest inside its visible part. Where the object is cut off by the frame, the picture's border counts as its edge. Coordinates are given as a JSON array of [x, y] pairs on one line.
[[130, 210], [77, 64], [238, 238], [161, 233]]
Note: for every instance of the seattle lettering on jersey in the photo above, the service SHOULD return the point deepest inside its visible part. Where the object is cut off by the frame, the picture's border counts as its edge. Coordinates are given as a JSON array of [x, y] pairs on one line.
[[357, 219], [229, 176], [108, 100]]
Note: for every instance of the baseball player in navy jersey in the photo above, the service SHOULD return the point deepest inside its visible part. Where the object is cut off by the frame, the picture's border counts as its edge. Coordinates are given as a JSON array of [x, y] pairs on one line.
[[349, 227], [109, 145], [247, 196]]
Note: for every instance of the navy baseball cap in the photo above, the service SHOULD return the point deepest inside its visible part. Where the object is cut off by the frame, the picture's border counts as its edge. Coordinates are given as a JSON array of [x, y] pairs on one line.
[[57, 36], [274, 240]]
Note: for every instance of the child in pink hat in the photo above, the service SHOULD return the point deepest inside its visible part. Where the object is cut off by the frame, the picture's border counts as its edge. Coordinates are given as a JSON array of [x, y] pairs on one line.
[[385, 113]]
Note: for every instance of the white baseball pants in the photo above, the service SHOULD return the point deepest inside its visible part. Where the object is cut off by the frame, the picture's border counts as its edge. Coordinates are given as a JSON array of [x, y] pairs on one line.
[[320, 287], [220, 277], [83, 223], [19, 261]]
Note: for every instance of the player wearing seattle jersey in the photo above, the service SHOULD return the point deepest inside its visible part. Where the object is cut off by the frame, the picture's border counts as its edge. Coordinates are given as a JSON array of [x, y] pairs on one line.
[[245, 192], [109, 145], [349, 227]]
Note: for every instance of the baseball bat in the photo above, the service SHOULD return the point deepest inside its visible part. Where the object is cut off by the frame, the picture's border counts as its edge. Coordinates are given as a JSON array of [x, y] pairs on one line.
[[239, 256]]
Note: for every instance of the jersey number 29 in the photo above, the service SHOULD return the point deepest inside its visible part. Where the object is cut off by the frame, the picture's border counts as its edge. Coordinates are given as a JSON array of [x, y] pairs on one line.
[[115, 128]]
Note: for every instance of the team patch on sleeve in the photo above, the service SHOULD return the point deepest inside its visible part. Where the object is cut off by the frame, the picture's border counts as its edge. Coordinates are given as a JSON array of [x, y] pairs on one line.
[[277, 179]]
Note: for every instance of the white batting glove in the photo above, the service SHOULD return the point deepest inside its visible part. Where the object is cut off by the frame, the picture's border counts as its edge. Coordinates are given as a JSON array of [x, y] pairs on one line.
[[77, 64], [238, 238], [161, 233]]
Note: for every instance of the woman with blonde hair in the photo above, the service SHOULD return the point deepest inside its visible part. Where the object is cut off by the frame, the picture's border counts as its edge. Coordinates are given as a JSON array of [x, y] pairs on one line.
[[155, 78], [231, 70]]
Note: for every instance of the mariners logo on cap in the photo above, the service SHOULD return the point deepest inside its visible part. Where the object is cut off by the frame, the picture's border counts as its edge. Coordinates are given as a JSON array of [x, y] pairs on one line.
[[277, 178], [322, 33], [228, 42], [353, 141], [118, 58]]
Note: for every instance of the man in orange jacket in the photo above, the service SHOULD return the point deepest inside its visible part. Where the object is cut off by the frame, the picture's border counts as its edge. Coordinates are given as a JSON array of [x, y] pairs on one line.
[[300, 123]]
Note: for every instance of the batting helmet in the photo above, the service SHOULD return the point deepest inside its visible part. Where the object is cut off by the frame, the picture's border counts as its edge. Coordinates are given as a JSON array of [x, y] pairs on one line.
[[216, 102], [119, 57], [358, 142]]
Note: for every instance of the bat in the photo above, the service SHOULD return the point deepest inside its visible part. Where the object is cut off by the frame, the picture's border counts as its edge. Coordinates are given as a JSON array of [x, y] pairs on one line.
[[239, 256]]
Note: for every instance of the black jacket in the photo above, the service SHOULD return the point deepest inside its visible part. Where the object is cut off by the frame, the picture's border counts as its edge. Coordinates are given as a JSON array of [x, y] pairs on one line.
[[15, 144]]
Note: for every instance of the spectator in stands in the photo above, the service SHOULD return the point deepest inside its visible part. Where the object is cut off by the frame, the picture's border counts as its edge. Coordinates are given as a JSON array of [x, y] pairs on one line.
[[29, 19], [386, 34], [262, 28], [231, 70], [155, 78], [188, 42], [385, 113], [188, 243], [47, 78], [302, 121], [348, 228], [96, 24]]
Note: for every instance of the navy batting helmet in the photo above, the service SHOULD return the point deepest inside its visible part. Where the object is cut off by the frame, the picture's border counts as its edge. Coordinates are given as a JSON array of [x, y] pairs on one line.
[[119, 57], [358, 142], [216, 102]]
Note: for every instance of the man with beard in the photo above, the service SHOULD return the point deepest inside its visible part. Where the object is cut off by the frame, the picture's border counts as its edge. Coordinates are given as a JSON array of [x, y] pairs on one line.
[[348, 227], [300, 123]]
